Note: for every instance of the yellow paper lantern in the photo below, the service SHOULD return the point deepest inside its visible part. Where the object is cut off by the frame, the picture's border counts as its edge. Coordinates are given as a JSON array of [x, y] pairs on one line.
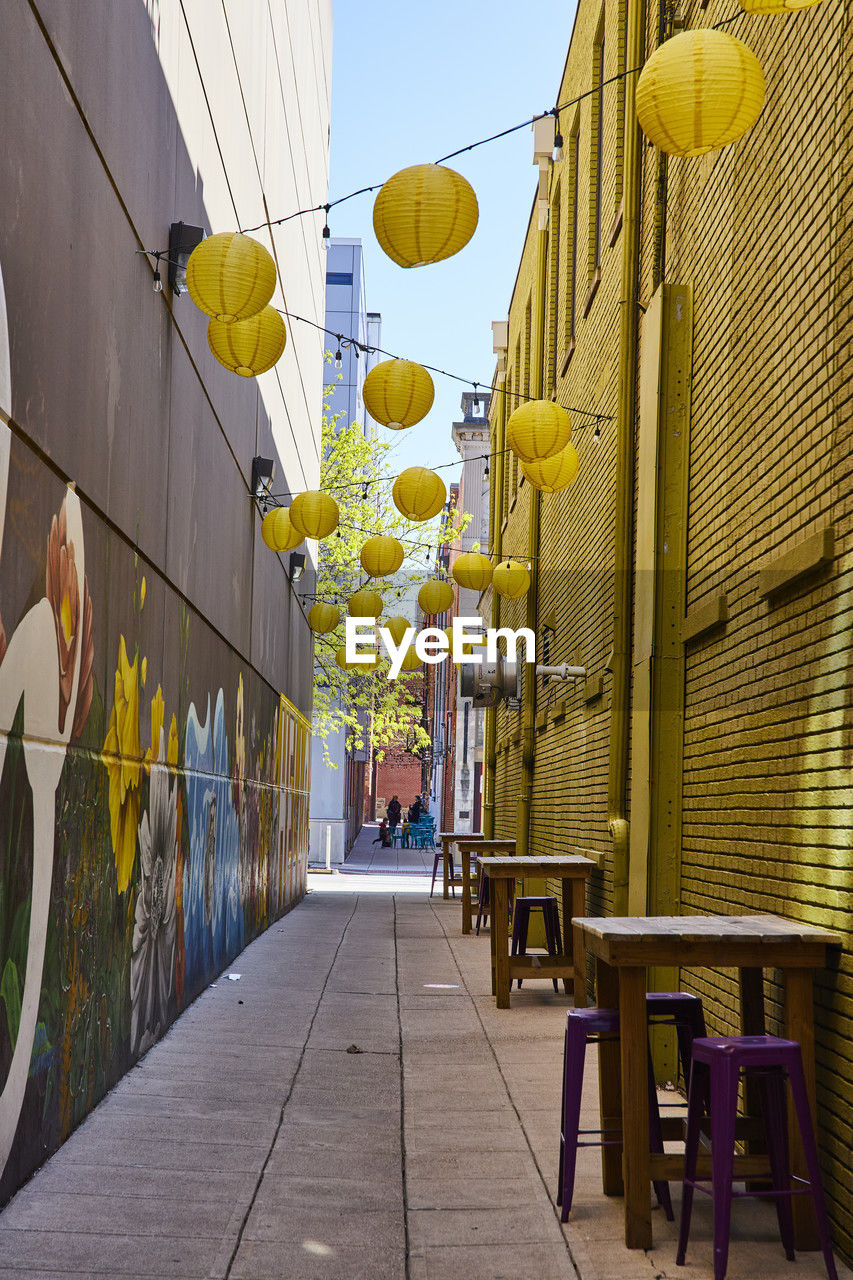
[[398, 393], [436, 596], [411, 661], [425, 213], [366, 668], [364, 604], [381, 556], [776, 6], [418, 493], [230, 277], [699, 91], [552, 474], [248, 347], [472, 570], [398, 627], [278, 531], [323, 617], [538, 429], [511, 579], [314, 514]]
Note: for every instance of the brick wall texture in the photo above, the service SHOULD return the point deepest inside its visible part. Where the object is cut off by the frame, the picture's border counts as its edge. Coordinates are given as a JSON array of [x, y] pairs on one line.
[[761, 233]]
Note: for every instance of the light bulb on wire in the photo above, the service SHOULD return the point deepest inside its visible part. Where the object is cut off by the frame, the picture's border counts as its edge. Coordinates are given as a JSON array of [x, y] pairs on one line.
[[596, 435], [558, 146], [326, 237], [158, 283], [339, 360]]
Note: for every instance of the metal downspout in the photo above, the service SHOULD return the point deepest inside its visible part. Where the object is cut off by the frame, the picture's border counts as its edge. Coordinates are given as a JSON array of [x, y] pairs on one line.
[[528, 715], [620, 713], [495, 540]]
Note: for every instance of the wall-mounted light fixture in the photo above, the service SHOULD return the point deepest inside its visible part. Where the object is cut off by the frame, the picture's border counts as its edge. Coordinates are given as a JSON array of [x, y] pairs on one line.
[[297, 565], [182, 240], [263, 474]]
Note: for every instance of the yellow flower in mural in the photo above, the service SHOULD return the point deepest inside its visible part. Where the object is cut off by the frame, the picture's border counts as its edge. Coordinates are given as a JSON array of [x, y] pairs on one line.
[[121, 756], [158, 716], [173, 746], [142, 594]]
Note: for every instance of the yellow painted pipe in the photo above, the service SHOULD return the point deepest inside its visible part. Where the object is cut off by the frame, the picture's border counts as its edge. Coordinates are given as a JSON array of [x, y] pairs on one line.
[[620, 710], [528, 706], [496, 473]]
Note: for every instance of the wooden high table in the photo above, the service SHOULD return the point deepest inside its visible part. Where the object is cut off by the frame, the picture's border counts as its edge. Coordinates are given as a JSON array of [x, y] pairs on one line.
[[623, 948], [572, 871], [468, 845], [448, 838]]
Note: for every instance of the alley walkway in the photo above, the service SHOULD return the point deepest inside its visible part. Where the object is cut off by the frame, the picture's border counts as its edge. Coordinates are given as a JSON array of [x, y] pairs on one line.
[[352, 1107]]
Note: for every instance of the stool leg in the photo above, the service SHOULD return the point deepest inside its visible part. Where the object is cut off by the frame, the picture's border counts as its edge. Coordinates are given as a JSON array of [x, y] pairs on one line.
[[520, 922], [772, 1094], [572, 1088], [552, 925], [724, 1082], [435, 863], [656, 1142], [695, 1111], [452, 874], [804, 1119]]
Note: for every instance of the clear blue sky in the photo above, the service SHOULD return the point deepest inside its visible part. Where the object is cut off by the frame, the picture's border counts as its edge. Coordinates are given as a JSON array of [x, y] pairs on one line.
[[411, 82]]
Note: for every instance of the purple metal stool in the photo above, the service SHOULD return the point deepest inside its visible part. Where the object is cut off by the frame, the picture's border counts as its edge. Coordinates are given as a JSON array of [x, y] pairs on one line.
[[673, 1007], [717, 1064], [483, 900], [521, 923], [436, 863]]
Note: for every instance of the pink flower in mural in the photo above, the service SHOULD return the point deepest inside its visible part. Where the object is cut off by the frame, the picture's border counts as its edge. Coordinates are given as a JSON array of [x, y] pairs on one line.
[[63, 594], [152, 962]]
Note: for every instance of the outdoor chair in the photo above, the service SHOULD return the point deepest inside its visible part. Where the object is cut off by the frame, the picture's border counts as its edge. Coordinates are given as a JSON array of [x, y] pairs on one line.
[[521, 924], [717, 1064]]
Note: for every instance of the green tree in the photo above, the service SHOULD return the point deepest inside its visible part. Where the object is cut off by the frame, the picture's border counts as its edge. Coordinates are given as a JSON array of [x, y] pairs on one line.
[[374, 711]]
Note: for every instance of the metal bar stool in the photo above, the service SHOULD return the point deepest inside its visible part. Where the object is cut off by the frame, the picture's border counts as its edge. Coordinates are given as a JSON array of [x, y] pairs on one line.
[[436, 863], [521, 924], [717, 1064]]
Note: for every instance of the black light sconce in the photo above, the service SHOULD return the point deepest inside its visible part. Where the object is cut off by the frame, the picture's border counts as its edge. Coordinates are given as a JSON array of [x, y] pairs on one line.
[[263, 474], [182, 240], [297, 565]]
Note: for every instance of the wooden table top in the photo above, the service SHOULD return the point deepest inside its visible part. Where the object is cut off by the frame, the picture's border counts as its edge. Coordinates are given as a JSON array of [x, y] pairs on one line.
[[484, 844], [460, 835], [556, 864], [759, 940]]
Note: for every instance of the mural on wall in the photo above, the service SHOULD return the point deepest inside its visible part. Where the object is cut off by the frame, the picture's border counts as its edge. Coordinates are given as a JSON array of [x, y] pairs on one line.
[[146, 829]]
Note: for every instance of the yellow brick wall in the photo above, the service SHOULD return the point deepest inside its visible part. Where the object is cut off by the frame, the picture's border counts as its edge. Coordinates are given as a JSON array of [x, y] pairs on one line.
[[761, 231]]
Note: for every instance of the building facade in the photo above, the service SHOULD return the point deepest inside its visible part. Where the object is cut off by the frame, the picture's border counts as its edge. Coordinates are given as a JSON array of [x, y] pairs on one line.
[[155, 662], [699, 567]]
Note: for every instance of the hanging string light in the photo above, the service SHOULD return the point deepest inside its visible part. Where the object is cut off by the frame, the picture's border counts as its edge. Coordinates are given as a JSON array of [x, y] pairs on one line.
[[418, 493], [538, 429], [699, 91], [381, 556], [398, 393], [249, 347], [230, 276], [423, 214]]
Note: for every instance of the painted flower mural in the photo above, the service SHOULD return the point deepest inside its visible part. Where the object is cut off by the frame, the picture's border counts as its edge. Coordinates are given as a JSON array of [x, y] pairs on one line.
[[121, 755], [73, 625], [213, 919], [152, 963]]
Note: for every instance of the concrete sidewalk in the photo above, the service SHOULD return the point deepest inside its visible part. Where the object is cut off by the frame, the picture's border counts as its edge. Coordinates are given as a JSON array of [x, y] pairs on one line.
[[354, 1106], [366, 856]]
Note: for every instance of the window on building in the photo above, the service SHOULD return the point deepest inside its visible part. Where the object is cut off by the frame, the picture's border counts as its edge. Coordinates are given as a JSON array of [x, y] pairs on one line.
[[596, 150], [622, 67], [338, 277], [572, 247], [553, 358], [527, 353]]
